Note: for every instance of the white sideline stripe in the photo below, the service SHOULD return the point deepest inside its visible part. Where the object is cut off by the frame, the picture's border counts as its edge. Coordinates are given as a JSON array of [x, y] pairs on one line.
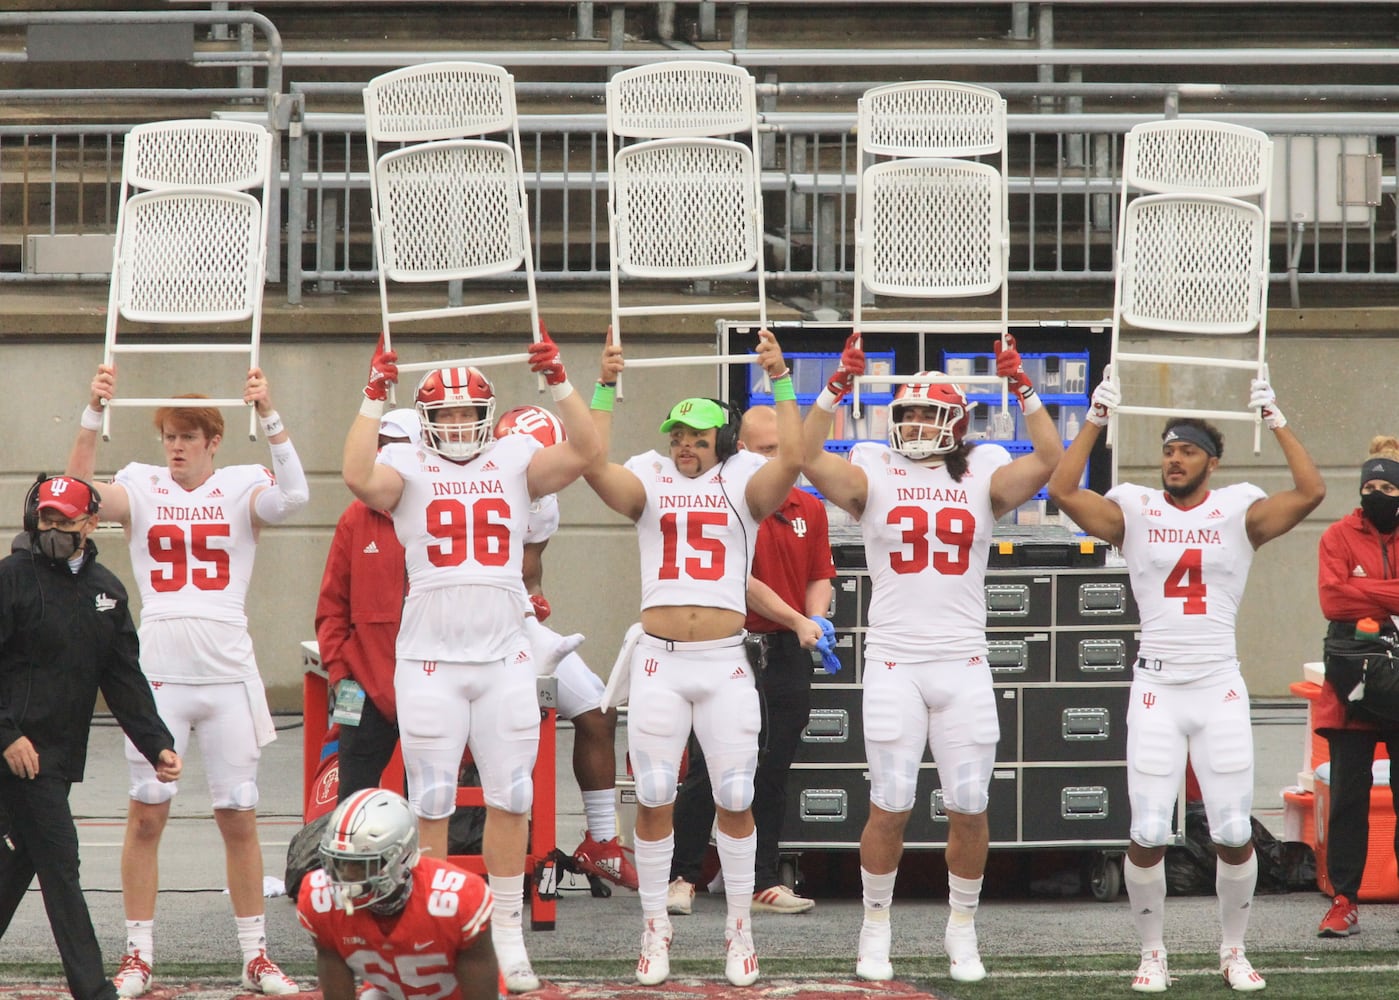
[[118, 843], [1310, 970]]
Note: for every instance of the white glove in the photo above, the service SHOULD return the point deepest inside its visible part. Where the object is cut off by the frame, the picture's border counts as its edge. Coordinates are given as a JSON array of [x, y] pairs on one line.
[[1106, 398], [1265, 400]]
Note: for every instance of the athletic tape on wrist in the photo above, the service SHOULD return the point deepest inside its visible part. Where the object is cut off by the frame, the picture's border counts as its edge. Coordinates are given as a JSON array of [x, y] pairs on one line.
[[828, 400], [91, 420], [782, 390], [1031, 403], [271, 424], [561, 390], [604, 397], [371, 408]]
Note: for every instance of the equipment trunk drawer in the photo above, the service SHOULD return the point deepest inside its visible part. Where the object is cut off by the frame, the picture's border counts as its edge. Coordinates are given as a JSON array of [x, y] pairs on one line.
[[1095, 656], [835, 732], [849, 600], [1019, 600], [1075, 805], [826, 806], [1103, 599], [1019, 657], [1075, 723]]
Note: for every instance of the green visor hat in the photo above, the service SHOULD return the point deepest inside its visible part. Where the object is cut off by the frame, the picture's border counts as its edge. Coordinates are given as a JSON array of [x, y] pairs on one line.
[[698, 413]]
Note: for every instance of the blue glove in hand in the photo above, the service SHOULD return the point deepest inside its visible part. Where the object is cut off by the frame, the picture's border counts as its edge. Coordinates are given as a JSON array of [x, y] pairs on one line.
[[826, 645]]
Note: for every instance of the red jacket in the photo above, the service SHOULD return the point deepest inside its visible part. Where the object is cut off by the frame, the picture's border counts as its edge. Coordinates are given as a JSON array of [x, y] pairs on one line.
[[793, 550], [1357, 577], [361, 604]]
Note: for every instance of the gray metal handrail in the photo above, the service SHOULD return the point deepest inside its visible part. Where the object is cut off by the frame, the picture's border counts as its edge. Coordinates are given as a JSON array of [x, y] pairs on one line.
[[271, 93]]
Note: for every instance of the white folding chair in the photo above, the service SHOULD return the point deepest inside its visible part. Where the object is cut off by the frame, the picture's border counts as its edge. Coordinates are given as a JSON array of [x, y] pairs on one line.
[[1192, 248], [191, 244], [448, 205], [931, 218], [684, 204]]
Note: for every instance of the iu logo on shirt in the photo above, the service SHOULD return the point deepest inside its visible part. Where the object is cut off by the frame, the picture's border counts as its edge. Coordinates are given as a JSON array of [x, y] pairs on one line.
[[798, 526]]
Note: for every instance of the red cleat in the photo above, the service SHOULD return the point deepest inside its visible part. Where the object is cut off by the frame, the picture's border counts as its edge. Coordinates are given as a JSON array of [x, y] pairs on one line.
[[607, 859]]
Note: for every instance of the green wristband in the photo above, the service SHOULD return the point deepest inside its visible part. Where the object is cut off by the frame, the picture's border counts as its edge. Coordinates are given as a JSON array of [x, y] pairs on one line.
[[604, 397], [782, 390]]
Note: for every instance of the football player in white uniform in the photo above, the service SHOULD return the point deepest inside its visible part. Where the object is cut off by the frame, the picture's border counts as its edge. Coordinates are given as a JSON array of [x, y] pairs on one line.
[[580, 690], [696, 508], [193, 532], [1188, 549], [926, 504], [465, 675]]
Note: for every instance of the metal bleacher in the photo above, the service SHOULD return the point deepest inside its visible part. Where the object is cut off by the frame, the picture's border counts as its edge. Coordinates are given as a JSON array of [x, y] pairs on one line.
[[1070, 107]]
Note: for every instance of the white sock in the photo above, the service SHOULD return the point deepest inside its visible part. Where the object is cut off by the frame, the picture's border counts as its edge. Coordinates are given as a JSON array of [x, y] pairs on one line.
[[252, 935], [737, 857], [140, 939], [1146, 891], [963, 895], [653, 859], [1234, 885], [878, 891], [509, 893], [507, 931], [600, 808]]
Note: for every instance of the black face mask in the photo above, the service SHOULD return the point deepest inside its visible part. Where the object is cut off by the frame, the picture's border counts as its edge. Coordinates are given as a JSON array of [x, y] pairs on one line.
[[1381, 510], [59, 545]]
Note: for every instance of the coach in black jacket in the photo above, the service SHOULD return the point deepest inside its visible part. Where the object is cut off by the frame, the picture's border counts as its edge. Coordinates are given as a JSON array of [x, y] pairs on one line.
[[65, 633]]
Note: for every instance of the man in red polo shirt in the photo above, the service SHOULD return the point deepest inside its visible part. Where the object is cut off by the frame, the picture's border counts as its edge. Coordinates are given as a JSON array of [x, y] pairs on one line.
[[789, 586]]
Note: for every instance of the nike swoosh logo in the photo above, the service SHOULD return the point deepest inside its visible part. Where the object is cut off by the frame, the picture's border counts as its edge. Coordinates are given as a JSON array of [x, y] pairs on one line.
[[419, 946]]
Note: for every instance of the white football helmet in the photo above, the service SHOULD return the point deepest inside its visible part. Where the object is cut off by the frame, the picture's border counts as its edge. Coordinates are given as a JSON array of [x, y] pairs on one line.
[[950, 416], [368, 850], [442, 388]]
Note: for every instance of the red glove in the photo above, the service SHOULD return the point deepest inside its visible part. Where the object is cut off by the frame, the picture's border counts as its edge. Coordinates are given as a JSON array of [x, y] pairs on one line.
[[541, 607], [383, 371], [544, 359], [852, 363], [1008, 366]]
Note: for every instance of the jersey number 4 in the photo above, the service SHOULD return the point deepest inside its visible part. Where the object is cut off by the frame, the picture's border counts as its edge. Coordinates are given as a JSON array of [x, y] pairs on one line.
[[952, 526], [196, 561], [1187, 580]]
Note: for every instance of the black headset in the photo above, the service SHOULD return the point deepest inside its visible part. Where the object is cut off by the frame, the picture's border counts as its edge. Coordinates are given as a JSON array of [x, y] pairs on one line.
[[726, 437], [31, 499]]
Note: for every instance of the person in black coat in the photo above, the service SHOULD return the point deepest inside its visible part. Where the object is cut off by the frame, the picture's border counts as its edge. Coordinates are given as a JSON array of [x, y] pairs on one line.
[[65, 634]]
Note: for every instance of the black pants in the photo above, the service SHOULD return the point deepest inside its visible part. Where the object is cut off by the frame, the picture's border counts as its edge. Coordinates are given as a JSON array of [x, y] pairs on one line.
[[785, 694], [365, 750], [1348, 829], [43, 840]]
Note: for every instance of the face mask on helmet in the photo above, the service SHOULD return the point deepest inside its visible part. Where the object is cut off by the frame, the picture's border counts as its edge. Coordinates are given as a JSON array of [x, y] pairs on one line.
[[942, 427], [368, 851], [534, 421], [450, 389]]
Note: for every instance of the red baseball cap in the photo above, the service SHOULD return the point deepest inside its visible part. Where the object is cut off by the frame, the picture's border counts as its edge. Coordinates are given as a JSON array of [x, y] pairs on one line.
[[68, 496]]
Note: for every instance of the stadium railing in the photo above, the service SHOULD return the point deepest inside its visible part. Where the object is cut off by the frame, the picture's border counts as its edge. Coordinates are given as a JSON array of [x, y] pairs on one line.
[[1063, 170]]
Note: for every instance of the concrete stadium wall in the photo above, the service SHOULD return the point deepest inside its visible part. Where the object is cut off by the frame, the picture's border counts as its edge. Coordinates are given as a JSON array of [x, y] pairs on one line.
[[1324, 371]]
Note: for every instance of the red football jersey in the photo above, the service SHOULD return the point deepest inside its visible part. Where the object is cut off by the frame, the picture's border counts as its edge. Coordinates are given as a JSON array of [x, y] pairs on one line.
[[411, 955]]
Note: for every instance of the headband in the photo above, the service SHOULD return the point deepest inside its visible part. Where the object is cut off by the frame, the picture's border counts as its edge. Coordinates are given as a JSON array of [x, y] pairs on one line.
[[1193, 435], [1380, 468]]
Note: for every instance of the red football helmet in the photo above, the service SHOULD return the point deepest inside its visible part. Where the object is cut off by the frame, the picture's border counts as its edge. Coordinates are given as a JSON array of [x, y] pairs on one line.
[[535, 421], [451, 388], [941, 432]]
